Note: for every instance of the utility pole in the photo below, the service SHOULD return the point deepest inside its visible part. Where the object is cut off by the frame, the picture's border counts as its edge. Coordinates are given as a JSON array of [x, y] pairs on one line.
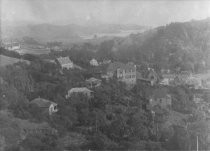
[[197, 143], [1, 22]]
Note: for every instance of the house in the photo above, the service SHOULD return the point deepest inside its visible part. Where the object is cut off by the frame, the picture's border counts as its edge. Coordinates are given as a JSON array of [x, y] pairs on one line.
[[167, 79], [184, 76], [160, 99], [57, 48], [106, 61], [152, 76], [94, 62], [46, 105], [15, 46], [127, 73], [112, 68], [105, 77], [142, 80], [78, 91], [195, 82], [93, 82], [124, 72], [65, 63]]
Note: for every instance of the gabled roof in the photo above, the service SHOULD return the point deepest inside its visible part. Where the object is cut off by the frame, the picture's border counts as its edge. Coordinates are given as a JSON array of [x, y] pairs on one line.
[[40, 102], [129, 66], [79, 90], [116, 65], [64, 60], [151, 72]]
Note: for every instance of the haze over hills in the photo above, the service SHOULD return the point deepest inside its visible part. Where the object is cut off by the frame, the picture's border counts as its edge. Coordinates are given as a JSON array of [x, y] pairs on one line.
[[64, 33]]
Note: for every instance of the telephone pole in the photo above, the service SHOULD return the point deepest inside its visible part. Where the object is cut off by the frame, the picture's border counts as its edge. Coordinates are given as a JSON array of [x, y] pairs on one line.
[[197, 143], [0, 24]]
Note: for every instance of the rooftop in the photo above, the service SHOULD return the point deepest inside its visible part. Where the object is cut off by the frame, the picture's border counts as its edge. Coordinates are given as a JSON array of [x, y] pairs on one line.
[[42, 102], [115, 65], [64, 60], [79, 89]]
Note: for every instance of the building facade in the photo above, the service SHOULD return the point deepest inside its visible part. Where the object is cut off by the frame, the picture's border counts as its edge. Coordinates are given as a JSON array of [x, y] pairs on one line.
[[123, 72], [65, 63], [94, 62], [127, 73]]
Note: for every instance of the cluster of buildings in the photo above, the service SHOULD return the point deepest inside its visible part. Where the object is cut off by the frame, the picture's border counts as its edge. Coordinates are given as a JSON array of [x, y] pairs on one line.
[[196, 81], [128, 74], [124, 72], [12, 46]]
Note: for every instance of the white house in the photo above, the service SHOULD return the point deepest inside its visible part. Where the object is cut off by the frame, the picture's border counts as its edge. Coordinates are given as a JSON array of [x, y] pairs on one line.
[[46, 105], [94, 62], [124, 72], [65, 63]]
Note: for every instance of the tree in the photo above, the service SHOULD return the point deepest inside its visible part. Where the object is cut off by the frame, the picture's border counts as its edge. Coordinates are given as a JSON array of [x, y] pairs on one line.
[[40, 142], [19, 78]]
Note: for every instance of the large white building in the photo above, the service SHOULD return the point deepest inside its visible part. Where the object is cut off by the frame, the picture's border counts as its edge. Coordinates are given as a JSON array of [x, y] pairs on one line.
[[124, 72]]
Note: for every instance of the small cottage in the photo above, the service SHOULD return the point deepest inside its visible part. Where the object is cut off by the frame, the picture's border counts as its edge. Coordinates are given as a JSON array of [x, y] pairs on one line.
[[46, 105], [93, 82]]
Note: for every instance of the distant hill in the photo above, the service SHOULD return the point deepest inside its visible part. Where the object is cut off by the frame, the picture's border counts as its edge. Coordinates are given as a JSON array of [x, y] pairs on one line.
[[64, 33], [185, 45]]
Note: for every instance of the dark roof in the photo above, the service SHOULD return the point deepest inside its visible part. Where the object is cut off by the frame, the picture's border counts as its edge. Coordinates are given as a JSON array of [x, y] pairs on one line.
[[115, 65], [40, 102]]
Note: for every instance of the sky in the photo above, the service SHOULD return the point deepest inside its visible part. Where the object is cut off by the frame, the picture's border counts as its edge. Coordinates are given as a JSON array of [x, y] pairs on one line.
[[82, 12]]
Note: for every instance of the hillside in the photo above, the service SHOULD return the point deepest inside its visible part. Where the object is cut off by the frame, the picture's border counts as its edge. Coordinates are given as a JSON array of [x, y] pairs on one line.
[[185, 45], [5, 60]]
